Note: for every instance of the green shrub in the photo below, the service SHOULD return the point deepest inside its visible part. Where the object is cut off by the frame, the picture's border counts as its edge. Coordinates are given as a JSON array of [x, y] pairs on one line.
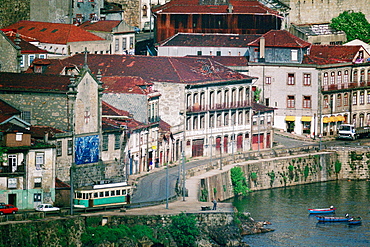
[[184, 229], [254, 176], [238, 181], [337, 166]]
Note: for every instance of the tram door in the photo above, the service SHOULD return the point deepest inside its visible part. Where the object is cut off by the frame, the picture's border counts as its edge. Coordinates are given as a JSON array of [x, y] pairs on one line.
[[91, 203]]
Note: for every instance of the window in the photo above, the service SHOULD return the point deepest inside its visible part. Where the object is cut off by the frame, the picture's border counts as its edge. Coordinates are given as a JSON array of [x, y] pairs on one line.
[[26, 116], [124, 44], [37, 182], [332, 78], [362, 76], [59, 148], [355, 76], [19, 137], [339, 100], [145, 11], [268, 80], [218, 53], [30, 59], [362, 98], [345, 99], [105, 143], [291, 101], [345, 77], [39, 160], [306, 101], [306, 79], [116, 45], [368, 97], [37, 197], [38, 69], [12, 183], [131, 42], [291, 79], [199, 53], [70, 147], [354, 98], [117, 141], [42, 56], [339, 77], [294, 55], [12, 161], [326, 102], [325, 80]]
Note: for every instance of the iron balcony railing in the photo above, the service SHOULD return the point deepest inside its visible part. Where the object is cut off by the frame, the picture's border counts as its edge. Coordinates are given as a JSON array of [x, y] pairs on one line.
[[222, 106]]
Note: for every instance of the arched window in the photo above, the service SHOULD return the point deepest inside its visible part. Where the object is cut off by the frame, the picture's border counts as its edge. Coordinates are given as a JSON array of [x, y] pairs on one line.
[[354, 98], [145, 11], [345, 77], [332, 78], [325, 80], [339, 77], [345, 99], [339, 100], [362, 76], [355, 76], [326, 101]]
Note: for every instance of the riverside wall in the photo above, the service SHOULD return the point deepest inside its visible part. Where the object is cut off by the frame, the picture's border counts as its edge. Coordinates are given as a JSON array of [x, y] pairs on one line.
[[267, 172]]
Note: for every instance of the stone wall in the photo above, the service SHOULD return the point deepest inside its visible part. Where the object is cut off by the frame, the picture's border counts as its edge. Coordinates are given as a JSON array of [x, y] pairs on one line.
[[288, 171], [8, 58], [131, 14]]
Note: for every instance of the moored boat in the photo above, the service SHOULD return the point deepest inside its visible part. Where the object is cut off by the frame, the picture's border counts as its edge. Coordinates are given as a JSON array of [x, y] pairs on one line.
[[333, 219], [322, 210], [355, 221]]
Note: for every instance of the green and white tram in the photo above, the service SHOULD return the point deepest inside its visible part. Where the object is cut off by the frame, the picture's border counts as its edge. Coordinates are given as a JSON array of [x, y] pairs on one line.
[[102, 195]]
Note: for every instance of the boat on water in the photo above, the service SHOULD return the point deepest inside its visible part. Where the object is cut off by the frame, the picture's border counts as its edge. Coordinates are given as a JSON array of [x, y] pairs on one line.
[[333, 219], [322, 210], [355, 221]]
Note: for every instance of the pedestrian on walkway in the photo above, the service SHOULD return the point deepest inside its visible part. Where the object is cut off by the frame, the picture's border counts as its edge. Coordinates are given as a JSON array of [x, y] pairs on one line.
[[214, 204]]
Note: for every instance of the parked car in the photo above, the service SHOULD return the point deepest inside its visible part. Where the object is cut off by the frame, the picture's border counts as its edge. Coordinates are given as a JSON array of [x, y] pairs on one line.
[[8, 209], [46, 208]]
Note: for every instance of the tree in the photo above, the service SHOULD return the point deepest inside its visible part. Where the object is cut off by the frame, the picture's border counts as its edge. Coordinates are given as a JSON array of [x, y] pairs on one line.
[[184, 229], [239, 181], [354, 24]]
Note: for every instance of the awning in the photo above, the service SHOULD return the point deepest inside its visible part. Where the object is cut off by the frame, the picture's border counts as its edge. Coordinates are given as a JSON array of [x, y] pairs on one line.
[[306, 119], [290, 118], [332, 119], [340, 118], [325, 120]]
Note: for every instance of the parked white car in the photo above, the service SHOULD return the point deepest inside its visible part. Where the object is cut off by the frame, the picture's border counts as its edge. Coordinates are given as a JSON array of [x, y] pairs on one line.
[[46, 208]]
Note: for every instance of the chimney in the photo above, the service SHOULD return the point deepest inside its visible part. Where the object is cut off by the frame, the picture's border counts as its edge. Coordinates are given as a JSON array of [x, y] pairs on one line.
[[262, 50], [230, 8]]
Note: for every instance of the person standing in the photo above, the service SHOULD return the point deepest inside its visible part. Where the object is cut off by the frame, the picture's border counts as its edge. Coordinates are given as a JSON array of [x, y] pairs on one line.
[[214, 204]]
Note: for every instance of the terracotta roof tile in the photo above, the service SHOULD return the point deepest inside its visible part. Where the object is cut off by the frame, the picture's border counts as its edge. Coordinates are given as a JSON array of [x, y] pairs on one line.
[[281, 38], [102, 26], [109, 110], [33, 82], [39, 132], [151, 69], [126, 84], [194, 6], [6, 109], [26, 47], [331, 54], [228, 60], [54, 33]]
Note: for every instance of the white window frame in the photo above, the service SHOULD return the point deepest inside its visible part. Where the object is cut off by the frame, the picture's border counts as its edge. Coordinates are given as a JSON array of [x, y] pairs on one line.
[[39, 160], [294, 55]]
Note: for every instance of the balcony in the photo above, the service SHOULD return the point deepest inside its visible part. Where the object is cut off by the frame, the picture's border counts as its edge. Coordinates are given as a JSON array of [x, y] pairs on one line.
[[6, 171], [222, 106], [341, 86]]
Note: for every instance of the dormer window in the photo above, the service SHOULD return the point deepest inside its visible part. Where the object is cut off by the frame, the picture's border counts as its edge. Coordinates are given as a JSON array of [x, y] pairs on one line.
[[38, 69]]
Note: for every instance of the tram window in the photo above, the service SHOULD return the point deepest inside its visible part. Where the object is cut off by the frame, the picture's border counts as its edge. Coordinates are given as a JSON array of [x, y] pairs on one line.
[[101, 194], [112, 193], [79, 195], [123, 192], [118, 192], [107, 193], [90, 194], [84, 196], [95, 194]]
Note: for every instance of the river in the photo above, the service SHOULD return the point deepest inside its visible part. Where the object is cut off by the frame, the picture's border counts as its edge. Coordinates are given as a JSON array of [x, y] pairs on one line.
[[286, 209]]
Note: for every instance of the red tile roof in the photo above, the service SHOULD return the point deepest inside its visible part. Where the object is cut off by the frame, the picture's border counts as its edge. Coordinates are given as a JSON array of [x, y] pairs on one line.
[[33, 82], [228, 60], [6, 109], [331, 54], [26, 47], [152, 69], [101, 26], [210, 39], [59, 184], [109, 110], [281, 38], [194, 6], [39, 132], [53, 33], [126, 84]]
